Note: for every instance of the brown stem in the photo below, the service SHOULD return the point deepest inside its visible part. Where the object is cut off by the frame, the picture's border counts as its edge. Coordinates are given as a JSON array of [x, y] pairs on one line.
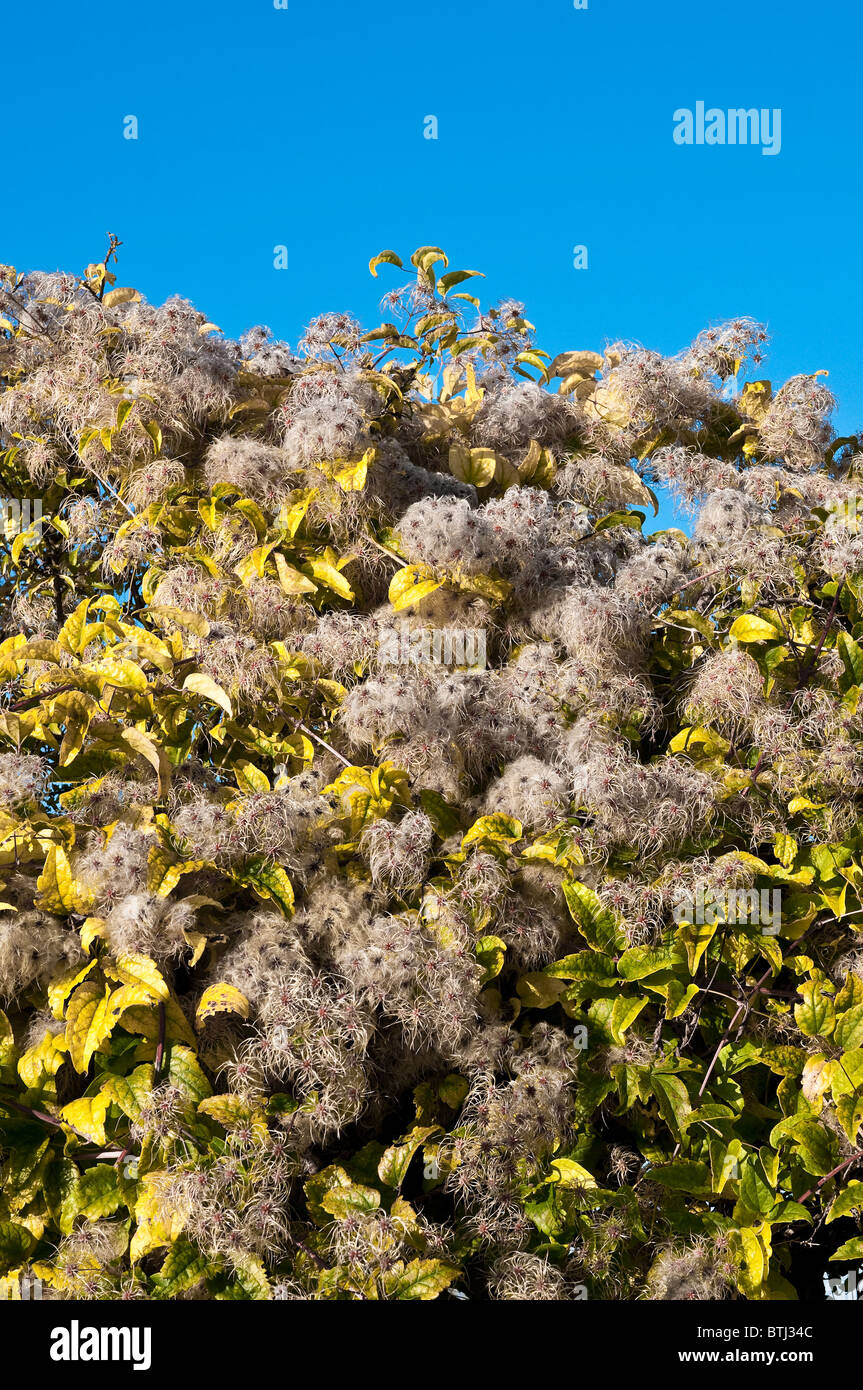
[[42, 1116], [812, 662], [743, 1007], [160, 1045], [323, 744], [840, 1167]]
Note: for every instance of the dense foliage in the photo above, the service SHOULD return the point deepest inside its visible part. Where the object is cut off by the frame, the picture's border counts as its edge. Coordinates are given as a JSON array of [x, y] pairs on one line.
[[335, 969]]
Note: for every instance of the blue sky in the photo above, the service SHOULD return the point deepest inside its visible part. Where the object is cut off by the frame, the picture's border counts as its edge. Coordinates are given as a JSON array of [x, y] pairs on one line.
[[303, 127]]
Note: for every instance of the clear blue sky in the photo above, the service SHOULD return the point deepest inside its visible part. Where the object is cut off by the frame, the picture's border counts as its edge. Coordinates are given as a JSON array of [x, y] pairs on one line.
[[304, 127]]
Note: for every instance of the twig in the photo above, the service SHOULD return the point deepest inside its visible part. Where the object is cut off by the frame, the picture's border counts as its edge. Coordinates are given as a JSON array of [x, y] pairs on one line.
[[743, 1007], [324, 744], [810, 664], [160, 1045], [846, 1163], [42, 1116]]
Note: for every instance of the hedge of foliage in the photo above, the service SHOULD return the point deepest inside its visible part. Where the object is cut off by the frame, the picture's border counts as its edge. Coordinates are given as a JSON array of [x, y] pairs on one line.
[[334, 969]]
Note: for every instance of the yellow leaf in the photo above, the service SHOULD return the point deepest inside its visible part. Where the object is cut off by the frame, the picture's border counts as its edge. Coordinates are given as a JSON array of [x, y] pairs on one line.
[[250, 778], [158, 1222], [699, 742], [88, 1116], [124, 295], [582, 364], [58, 890], [327, 574], [497, 826], [753, 1254], [571, 1174], [181, 617], [143, 1018], [475, 466], [94, 929], [198, 942], [61, 987], [89, 1021], [134, 969], [748, 628], [221, 999], [412, 584], [73, 740], [291, 580], [539, 991], [383, 258], [119, 672], [351, 475], [8, 1050], [202, 685], [290, 518], [44, 1060], [229, 1110], [153, 430], [497, 590], [152, 752], [255, 562]]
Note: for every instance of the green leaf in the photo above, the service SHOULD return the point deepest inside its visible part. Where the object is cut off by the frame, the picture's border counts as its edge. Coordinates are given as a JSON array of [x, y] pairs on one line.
[[816, 1147], [673, 1100], [755, 1191], [421, 1279], [684, 1175], [852, 659], [848, 1032], [456, 277], [99, 1192], [642, 961], [452, 1090], [623, 1015], [491, 954], [183, 1268], [584, 965], [130, 1092], [396, 1160], [497, 828], [816, 1015], [16, 1243], [847, 1201], [597, 924], [851, 1250], [271, 881], [384, 258], [185, 1073]]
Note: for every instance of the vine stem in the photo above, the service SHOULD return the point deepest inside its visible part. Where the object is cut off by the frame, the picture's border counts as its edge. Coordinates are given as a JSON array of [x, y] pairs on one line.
[[324, 744], [840, 1168], [811, 663], [42, 1116], [741, 1008], [160, 1045], [386, 551]]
